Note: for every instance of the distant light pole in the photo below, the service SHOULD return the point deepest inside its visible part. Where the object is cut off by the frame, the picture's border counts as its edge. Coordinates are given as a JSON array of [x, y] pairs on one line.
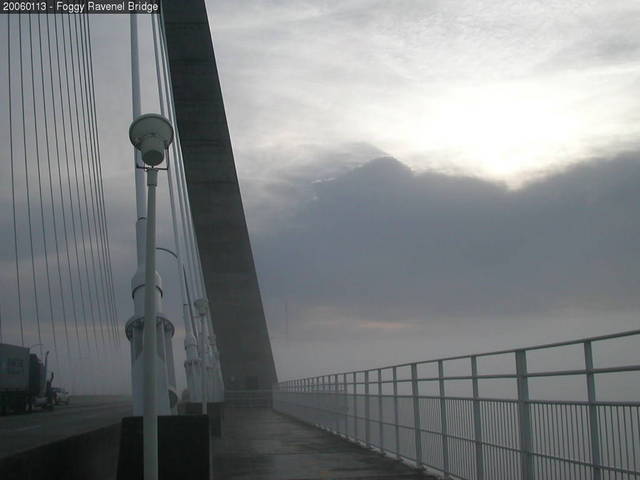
[[151, 134], [202, 305], [189, 338]]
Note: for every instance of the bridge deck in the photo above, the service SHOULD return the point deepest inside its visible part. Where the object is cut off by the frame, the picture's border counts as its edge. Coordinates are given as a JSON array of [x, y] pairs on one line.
[[260, 444], [84, 414]]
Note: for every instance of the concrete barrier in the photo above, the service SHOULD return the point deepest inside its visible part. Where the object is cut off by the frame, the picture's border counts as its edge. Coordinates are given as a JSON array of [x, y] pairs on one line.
[[91, 455], [183, 448]]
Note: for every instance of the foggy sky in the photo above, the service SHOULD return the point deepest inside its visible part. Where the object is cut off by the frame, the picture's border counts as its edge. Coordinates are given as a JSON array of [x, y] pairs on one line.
[[419, 178], [389, 243], [381, 253]]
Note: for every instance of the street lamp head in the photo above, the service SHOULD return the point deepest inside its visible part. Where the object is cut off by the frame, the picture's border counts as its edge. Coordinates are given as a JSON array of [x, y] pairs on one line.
[[151, 134]]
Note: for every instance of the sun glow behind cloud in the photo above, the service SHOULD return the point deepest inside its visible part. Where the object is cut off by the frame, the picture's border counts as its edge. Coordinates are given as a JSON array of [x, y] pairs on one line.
[[510, 131], [497, 131], [503, 90]]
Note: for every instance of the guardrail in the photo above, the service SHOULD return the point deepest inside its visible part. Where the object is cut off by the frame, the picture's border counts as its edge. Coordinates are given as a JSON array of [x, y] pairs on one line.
[[510, 414]]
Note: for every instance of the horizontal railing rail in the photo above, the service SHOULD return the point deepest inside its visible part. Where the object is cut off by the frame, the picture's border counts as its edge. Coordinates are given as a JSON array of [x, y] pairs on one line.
[[554, 411]]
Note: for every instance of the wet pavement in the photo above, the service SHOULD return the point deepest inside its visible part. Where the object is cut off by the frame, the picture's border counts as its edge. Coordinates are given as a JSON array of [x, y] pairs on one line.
[[260, 444]]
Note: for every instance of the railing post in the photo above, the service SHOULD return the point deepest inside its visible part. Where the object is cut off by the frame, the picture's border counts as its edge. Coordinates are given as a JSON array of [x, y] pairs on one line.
[[346, 404], [326, 398], [443, 420], [416, 414], [355, 407], [309, 400], [594, 427], [396, 420], [367, 411], [336, 402], [477, 420], [524, 416], [380, 424], [317, 401]]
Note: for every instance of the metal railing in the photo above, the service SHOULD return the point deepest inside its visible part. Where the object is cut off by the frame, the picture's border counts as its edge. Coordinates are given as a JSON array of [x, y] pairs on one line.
[[510, 414]]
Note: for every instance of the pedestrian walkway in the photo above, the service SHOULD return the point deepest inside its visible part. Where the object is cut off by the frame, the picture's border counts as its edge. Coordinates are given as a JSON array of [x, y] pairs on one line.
[[260, 444]]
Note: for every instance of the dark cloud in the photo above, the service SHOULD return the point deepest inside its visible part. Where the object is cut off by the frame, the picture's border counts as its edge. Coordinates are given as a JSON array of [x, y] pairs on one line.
[[386, 244]]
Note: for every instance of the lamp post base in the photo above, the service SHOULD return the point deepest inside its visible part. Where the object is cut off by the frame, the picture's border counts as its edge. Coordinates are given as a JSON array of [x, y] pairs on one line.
[[183, 448]]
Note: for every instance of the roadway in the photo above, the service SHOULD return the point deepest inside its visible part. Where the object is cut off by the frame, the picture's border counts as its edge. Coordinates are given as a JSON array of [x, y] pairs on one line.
[[84, 413]]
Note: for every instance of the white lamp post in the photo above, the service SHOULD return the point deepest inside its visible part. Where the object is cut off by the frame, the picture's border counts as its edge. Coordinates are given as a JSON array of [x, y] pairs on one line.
[[151, 134]]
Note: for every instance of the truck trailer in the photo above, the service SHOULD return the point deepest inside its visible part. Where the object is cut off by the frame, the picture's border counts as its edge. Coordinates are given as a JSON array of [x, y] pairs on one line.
[[23, 379]]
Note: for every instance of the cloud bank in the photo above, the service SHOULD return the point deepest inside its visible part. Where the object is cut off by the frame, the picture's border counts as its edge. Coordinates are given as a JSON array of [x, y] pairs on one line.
[[382, 247]]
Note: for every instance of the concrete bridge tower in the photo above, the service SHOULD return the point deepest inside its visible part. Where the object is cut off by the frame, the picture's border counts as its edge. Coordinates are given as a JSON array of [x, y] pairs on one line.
[[214, 194]]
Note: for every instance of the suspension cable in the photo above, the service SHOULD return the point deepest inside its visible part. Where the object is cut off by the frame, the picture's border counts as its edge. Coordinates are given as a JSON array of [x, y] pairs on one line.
[[101, 180], [39, 172], [190, 232], [51, 195], [90, 203], [97, 224], [79, 304], [183, 203], [28, 190], [171, 160], [83, 152], [13, 185], [185, 213]]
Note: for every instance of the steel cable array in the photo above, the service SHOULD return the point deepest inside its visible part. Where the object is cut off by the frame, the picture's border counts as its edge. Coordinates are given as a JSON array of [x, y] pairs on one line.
[[40, 196], [179, 184], [51, 195], [56, 174]]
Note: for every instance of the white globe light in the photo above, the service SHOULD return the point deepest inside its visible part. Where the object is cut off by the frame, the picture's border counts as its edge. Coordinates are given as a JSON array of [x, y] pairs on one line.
[[151, 134]]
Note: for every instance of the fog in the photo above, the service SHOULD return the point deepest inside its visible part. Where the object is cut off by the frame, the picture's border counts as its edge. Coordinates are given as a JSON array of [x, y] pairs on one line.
[[376, 241]]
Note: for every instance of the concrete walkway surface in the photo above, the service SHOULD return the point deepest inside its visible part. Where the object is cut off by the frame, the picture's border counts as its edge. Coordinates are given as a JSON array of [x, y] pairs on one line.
[[260, 444]]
